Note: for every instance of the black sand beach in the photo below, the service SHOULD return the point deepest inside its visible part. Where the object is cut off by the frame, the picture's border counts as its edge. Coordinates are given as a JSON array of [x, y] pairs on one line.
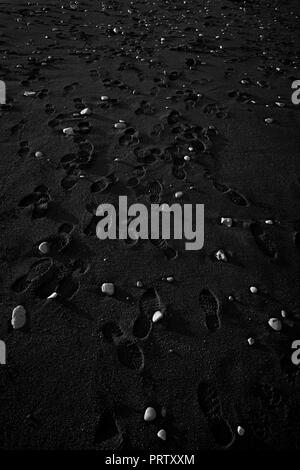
[[204, 90]]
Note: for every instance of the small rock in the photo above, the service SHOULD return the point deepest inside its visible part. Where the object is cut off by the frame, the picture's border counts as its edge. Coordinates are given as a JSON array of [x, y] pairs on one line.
[[227, 221], [44, 247], [157, 316], [162, 434], [187, 158], [39, 154], [275, 324], [253, 290], [269, 222], [104, 98], [240, 431], [29, 93], [68, 131], [18, 318], [139, 284], [178, 194], [269, 121], [85, 112], [251, 341], [150, 414], [170, 279], [52, 296], [283, 313], [221, 256], [108, 288], [120, 125]]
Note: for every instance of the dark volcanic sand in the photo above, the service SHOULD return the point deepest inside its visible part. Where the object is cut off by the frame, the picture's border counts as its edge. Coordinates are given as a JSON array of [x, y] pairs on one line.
[[83, 369]]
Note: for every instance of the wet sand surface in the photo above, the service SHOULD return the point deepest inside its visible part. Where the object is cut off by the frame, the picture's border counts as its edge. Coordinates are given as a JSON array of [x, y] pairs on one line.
[[204, 90]]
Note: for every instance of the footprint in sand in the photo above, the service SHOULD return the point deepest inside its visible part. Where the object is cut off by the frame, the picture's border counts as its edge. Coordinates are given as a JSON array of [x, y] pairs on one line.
[[155, 190], [108, 435], [149, 303], [210, 307], [24, 149], [130, 137], [38, 201], [70, 88], [169, 252], [264, 241], [129, 354], [38, 271], [210, 405]]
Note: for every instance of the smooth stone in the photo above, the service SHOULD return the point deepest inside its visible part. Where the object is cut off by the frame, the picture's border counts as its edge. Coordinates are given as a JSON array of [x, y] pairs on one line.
[[162, 434], [120, 125], [240, 431], [18, 318], [221, 256], [68, 131], [227, 221], [251, 341], [108, 288], [157, 316], [275, 324], [104, 98], [39, 154], [44, 247], [85, 112], [253, 290], [52, 296], [29, 93], [178, 194], [150, 414]]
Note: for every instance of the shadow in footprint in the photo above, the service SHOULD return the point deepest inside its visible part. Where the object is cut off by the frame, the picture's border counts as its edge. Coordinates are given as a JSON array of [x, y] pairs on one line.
[[210, 306], [210, 405], [264, 241], [108, 435]]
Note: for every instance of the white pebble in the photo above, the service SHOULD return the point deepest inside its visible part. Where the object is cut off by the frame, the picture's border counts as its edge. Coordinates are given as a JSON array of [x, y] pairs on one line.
[[139, 284], [275, 324], [39, 154], [68, 131], [240, 431], [108, 288], [18, 318], [44, 247], [85, 112], [104, 98], [283, 313], [170, 278], [269, 121], [227, 221], [221, 256], [251, 341], [150, 414], [29, 93], [162, 434], [253, 290], [157, 316], [120, 125], [269, 222], [187, 158], [178, 194], [52, 296]]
